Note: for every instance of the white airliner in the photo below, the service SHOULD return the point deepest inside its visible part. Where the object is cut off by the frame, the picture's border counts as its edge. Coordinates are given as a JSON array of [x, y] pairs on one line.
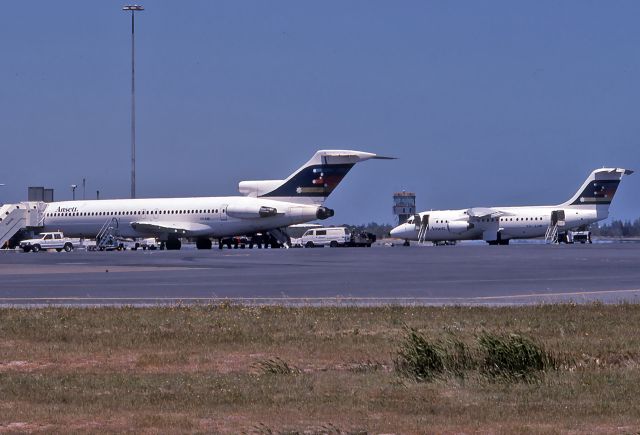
[[497, 225], [267, 206]]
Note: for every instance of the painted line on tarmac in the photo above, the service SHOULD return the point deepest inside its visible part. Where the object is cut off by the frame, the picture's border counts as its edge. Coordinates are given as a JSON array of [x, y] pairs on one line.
[[320, 299], [29, 271], [564, 294]]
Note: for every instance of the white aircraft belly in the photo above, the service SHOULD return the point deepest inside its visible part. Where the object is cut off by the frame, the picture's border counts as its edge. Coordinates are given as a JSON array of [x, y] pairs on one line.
[[178, 228]]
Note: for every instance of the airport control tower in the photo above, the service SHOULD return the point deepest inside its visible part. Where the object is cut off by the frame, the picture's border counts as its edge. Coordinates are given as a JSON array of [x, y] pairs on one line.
[[404, 205]]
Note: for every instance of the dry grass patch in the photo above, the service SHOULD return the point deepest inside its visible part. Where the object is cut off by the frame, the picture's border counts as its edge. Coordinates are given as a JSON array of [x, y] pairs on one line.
[[235, 369]]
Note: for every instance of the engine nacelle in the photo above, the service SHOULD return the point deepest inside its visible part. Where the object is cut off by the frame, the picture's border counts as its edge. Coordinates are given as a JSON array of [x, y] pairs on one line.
[[324, 213], [459, 226], [250, 211]]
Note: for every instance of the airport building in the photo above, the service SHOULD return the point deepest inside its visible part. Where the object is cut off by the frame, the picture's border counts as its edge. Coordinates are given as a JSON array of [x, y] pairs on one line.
[[404, 205]]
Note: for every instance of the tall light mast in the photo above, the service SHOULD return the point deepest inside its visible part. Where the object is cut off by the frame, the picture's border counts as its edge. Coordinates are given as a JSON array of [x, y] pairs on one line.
[[133, 9]]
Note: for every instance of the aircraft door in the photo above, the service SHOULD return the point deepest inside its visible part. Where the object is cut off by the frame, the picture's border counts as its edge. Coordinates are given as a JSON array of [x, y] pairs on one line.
[[417, 221], [424, 222], [223, 212], [557, 218], [422, 226], [421, 222]]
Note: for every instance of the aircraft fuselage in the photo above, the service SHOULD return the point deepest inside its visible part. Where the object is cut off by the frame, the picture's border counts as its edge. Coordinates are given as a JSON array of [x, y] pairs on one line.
[[205, 216], [515, 223], [500, 224]]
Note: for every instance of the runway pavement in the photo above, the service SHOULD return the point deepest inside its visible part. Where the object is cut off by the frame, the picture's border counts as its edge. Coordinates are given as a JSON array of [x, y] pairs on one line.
[[494, 275]]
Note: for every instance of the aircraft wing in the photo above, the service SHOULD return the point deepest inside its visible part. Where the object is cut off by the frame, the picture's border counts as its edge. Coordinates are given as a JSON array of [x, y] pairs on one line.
[[163, 227], [482, 212]]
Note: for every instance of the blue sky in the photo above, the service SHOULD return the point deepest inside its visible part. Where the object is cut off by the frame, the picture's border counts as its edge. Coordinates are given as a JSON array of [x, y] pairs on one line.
[[484, 103]]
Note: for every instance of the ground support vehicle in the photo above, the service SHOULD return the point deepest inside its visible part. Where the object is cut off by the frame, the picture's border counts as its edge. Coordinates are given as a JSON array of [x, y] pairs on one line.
[[108, 242], [329, 236], [361, 239], [51, 240], [149, 243], [575, 237], [334, 237], [258, 240]]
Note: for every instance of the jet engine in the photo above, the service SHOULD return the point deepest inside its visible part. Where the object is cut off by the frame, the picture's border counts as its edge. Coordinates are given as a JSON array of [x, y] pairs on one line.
[[250, 211], [324, 213], [459, 226]]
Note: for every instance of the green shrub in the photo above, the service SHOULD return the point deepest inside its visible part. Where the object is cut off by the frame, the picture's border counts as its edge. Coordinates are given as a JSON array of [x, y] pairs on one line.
[[513, 357], [458, 358], [508, 357], [417, 358]]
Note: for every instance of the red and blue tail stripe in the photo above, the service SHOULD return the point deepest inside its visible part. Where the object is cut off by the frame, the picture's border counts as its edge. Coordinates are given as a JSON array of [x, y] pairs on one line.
[[312, 181], [597, 192]]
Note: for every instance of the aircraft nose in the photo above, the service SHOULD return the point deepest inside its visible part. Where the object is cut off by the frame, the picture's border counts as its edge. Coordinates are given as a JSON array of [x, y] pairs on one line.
[[397, 231]]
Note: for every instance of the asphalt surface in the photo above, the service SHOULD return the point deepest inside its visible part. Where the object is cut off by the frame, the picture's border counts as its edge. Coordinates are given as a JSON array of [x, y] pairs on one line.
[[492, 275]]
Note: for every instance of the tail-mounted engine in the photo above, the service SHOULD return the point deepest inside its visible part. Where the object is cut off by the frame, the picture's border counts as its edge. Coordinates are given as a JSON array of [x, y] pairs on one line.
[[324, 213], [250, 211]]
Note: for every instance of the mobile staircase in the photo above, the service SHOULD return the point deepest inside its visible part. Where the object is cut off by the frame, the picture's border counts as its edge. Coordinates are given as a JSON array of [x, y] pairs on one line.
[[556, 223], [423, 226], [19, 216], [108, 236], [551, 236]]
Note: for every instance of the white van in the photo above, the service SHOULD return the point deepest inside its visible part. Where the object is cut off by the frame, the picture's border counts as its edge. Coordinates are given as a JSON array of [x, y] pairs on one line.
[[334, 237]]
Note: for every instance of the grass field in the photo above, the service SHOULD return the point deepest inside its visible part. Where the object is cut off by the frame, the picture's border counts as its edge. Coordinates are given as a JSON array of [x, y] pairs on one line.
[[235, 369]]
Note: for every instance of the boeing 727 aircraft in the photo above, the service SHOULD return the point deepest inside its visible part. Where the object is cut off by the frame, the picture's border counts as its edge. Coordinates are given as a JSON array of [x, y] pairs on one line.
[[267, 206], [498, 225]]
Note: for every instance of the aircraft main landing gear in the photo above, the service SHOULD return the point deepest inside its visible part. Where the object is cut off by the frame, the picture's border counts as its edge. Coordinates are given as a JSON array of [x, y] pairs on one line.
[[203, 243], [173, 244]]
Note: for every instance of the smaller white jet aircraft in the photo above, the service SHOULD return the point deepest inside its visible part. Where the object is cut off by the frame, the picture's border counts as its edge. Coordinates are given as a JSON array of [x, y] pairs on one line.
[[497, 225]]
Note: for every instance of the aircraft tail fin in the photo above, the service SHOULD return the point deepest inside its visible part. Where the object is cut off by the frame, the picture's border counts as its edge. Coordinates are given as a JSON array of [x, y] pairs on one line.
[[313, 182], [599, 188]]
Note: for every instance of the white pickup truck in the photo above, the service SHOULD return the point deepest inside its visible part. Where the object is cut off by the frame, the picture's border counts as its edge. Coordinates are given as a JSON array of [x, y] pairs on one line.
[[54, 240]]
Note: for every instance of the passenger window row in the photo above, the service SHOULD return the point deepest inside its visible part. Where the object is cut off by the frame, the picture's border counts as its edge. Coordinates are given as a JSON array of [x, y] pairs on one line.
[[521, 219], [132, 213], [504, 219]]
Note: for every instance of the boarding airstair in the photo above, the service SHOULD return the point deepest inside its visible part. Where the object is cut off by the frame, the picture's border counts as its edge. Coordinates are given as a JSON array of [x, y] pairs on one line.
[[422, 224], [556, 223], [551, 236], [15, 217], [107, 237]]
